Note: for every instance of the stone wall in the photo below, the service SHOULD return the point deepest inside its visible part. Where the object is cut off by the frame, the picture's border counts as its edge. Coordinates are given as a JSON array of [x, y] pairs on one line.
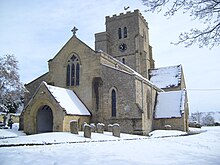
[[80, 119], [128, 115], [145, 99], [14, 117], [175, 123]]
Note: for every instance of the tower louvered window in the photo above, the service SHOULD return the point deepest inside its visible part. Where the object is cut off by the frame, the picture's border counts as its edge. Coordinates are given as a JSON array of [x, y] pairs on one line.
[[122, 33], [119, 33], [125, 32]]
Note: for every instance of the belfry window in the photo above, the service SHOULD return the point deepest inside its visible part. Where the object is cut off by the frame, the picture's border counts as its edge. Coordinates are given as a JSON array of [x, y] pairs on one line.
[[73, 71], [122, 33], [119, 33], [113, 102], [125, 32]]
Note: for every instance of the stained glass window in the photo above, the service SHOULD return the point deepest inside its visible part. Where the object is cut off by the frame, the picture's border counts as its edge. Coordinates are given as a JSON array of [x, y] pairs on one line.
[[73, 72]]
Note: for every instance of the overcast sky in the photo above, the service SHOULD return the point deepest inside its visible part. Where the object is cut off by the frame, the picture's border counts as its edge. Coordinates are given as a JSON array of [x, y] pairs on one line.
[[34, 31]]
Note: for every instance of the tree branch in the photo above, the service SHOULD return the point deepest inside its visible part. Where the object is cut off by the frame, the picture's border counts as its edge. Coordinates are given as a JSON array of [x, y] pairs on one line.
[[206, 10]]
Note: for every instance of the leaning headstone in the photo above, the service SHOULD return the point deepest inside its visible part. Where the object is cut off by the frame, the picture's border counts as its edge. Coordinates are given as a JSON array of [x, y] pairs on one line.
[[116, 130], [74, 127], [110, 127], [87, 131], [100, 127], [93, 127]]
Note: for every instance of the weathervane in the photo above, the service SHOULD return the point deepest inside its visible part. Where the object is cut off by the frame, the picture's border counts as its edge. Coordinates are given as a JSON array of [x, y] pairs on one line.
[[74, 31], [126, 7]]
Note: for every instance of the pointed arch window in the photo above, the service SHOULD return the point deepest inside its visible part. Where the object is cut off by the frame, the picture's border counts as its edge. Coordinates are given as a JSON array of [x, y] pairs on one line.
[[125, 32], [123, 60], [113, 102], [73, 72]]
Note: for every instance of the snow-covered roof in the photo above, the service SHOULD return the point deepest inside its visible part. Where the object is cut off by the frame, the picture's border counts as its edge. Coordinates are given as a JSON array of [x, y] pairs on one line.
[[170, 104], [68, 100], [166, 77]]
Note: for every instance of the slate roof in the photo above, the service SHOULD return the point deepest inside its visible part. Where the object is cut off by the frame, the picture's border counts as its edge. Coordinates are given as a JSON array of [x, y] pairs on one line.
[[166, 77], [119, 66], [170, 104]]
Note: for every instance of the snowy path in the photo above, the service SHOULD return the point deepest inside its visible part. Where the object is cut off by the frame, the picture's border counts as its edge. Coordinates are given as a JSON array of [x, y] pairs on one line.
[[197, 149]]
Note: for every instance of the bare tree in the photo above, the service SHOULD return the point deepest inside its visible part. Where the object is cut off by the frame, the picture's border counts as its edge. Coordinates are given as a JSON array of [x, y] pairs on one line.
[[208, 11], [208, 119], [11, 89], [196, 117]]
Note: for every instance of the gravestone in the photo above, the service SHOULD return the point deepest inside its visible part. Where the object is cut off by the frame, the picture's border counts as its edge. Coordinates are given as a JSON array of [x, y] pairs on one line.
[[167, 127], [93, 127], [74, 127], [87, 131], [110, 127], [116, 130], [100, 127], [84, 123]]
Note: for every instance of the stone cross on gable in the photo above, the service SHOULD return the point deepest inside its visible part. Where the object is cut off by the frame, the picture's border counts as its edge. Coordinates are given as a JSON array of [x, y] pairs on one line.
[[74, 30]]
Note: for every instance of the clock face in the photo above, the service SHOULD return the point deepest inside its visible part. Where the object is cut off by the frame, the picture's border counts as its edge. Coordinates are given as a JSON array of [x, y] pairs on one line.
[[122, 47]]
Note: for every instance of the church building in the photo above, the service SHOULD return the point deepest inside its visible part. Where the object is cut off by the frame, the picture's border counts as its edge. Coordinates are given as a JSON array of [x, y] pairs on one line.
[[115, 83]]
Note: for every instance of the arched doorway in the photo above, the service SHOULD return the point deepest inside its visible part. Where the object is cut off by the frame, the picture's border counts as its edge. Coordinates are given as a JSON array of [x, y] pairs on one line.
[[44, 119]]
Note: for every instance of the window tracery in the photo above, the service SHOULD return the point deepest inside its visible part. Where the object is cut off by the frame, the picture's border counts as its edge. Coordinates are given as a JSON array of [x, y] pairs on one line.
[[73, 71]]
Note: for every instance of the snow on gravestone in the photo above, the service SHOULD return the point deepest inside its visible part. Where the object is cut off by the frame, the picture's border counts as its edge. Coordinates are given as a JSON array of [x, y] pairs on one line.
[[87, 131], [110, 127], [93, 127], [100, 127], [116, 130]]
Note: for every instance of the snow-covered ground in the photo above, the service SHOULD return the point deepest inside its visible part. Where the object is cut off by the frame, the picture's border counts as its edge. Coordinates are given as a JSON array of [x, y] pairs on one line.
[[162, 147]]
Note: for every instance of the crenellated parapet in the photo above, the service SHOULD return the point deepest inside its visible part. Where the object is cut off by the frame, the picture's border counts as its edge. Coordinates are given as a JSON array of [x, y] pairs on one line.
[[127, 14]]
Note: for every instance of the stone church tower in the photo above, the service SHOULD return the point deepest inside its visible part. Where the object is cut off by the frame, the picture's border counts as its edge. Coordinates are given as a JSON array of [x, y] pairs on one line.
[[127, 39]]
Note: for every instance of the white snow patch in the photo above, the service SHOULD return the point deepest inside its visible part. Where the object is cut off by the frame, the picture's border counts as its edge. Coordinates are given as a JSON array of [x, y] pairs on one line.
[[166, 133], [11, 133], [68, 100], [170, 104], [196, 149], [7, 134], [65, 137], [166, 77]]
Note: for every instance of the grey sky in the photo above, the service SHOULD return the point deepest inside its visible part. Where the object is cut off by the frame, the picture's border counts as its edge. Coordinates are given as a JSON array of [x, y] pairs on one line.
[[34, 31]]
